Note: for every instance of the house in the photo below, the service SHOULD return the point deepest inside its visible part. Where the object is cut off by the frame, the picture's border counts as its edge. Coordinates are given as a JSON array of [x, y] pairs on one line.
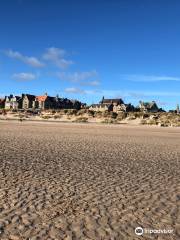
[[148, 106], [65, 103], [44, 102], [106, 105], [2, 102], [123, 108], [114, 101], [76, 104], [101, 107], [13, 102], [83, 105], [27, 101]]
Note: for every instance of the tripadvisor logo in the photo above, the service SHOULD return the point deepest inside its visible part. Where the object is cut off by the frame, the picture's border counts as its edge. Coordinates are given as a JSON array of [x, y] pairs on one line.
[[139, 231]]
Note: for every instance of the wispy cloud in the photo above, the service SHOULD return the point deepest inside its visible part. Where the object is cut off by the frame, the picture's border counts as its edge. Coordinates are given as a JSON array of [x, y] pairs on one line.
[[32, 61], [138, 94], [148, 78], [91, 83], [57, 56], [75, 90], [24, 76], [77, 76], [82, 78]]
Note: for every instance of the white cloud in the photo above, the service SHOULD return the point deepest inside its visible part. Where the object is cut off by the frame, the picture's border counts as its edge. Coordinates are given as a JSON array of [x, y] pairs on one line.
[[91, 83], [57, 56], [137, 94], [13, 54], [82, 78], [24, 76], [75, 90], [32, 61], [148, 78]]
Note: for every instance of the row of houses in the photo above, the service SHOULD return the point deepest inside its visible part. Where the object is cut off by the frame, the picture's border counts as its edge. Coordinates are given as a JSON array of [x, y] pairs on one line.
[[28, 101], [117, 105]]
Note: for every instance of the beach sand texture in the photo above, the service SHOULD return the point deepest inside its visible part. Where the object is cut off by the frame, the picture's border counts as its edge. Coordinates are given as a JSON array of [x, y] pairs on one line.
[[88, 181]]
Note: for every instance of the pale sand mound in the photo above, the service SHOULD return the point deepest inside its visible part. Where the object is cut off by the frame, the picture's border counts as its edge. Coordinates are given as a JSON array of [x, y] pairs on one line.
[[75, 181]]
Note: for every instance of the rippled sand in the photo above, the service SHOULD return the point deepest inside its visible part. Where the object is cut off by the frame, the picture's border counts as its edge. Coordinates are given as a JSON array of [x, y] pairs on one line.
[[80, 181]]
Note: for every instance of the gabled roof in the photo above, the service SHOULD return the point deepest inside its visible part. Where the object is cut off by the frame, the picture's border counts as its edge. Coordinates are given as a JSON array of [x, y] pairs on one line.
[[18, 98], [112, 100], [29, 96], [41, 98], [10, 97], [45, 97]]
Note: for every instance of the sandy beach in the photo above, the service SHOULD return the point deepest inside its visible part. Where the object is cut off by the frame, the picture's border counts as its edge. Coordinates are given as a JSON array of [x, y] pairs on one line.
[[88, 181]]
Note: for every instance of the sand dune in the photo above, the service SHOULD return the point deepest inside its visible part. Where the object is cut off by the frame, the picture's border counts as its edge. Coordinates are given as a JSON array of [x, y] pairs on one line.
[[80, 181]]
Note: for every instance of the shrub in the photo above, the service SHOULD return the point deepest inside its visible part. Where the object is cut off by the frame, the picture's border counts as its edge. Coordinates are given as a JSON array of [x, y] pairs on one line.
[[152, 122], [121, 116], [98, 114], [131, 117], [91, 113], [65, 110], [45, 117], [109, 121], [161, 124], [114, 115], [81, 119], [105, 114], [81, 112], [57, 116], [71, 112], [143, 122]]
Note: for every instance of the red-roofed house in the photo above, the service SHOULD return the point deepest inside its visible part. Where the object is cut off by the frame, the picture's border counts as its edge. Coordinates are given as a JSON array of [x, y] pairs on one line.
[[44, 102]]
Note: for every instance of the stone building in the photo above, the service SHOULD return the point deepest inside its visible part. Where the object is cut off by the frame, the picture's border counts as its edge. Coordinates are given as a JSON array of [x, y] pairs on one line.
[[30, 102], [123, 108], [65, 103], [13, 102], [76, 104], [44, 102], [27, 101], [2, 102], [107, 105], [101, 107], [113, 101], [148, 106]]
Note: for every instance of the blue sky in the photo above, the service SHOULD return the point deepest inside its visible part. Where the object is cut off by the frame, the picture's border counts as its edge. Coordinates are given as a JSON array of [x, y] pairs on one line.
[[87, 49]]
